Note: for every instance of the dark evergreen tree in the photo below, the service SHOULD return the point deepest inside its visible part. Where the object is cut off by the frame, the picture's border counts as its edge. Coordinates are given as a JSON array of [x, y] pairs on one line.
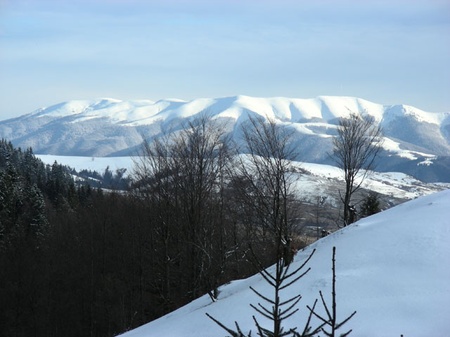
[[107, 176], [60, 186], [6, 151], [370, 205], [37, 219], [23, 227], [12, 199]]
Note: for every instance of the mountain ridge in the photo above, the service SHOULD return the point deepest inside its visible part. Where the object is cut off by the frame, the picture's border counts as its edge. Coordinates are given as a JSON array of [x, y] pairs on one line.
[[111, 127], [309, 106]]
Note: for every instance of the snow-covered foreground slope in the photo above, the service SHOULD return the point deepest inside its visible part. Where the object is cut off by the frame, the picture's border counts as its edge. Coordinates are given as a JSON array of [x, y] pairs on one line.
[[393, 268]]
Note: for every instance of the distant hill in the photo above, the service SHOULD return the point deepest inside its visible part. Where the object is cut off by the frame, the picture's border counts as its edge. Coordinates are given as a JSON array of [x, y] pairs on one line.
[[416, 142]]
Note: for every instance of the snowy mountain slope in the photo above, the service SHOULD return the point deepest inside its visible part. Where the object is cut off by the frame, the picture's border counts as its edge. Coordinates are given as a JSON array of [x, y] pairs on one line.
[[392, 268], [109, 127]]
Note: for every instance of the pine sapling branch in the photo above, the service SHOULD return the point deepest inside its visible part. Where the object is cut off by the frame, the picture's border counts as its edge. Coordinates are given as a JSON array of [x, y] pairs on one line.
[[264, 312], [262, 296], [331, 319], [286, 276], [239, 332], [288, 312], [295, 280]]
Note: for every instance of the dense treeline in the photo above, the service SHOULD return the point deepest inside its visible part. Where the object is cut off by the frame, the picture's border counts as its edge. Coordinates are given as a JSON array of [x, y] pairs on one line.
[[82, 261], [74, 261]]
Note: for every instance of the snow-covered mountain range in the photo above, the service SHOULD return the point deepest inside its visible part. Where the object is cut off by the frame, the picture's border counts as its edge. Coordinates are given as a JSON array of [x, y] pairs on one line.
[[416, 142], [392, 268]]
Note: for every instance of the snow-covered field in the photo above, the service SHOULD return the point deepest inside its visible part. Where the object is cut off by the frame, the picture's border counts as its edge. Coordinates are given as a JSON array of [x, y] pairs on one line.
[[316, 183], [394, 184], [393, 268], [98, 164]]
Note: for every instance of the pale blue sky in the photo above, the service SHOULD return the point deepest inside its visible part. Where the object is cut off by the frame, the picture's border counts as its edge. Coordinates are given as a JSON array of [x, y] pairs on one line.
[[389, 52]]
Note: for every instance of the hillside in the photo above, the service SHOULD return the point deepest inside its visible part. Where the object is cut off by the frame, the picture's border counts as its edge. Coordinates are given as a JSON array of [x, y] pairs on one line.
[[392, 268], [315, 180], [416, 142]]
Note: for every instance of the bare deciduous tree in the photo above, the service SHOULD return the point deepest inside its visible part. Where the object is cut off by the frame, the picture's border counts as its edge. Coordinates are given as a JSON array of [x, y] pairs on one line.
[[356, 146], [268, 195], [182, 176], [269, 173]]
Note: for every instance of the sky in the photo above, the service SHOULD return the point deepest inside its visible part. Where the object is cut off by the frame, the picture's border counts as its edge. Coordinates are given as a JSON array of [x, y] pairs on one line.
[[388, 52]]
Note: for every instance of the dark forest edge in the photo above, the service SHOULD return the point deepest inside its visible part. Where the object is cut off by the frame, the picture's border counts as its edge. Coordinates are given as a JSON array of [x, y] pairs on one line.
[[77, 260]]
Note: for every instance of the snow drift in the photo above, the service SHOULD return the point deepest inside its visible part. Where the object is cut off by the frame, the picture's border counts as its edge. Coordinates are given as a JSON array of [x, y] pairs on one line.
[[392, 268]]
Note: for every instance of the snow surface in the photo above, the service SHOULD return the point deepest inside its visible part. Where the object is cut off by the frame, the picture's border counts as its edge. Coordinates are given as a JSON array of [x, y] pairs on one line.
[[395, 147], [395, 184], [392, 268], [78, 127], [144, 112], [98, 164]]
